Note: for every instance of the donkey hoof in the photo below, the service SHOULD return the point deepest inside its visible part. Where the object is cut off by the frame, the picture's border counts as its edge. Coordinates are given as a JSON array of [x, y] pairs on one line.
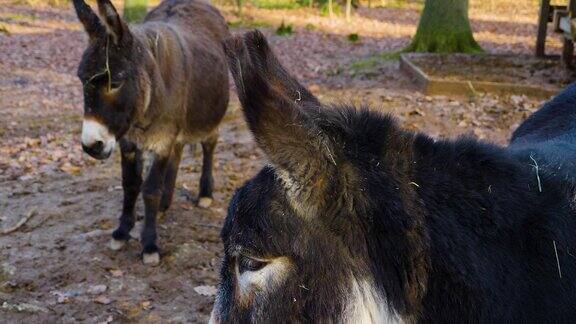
[[205, 202], [152, 259], [116, 245]]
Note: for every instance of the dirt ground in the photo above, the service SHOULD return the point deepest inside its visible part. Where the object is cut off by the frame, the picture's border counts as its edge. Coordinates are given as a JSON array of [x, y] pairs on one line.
[[57, 267]]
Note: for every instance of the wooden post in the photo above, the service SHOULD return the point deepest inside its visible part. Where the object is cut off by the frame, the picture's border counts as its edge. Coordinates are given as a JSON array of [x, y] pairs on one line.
[[568, 50], [542, 27]]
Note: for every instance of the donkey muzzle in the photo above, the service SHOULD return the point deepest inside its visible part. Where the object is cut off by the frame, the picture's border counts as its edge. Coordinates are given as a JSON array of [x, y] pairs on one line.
[[97, 140]]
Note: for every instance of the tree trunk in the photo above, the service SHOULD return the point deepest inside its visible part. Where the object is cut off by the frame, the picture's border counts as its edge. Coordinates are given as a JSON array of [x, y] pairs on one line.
[[444, 28], [348, 9], [238, 6], [330, 9], [135, 10]]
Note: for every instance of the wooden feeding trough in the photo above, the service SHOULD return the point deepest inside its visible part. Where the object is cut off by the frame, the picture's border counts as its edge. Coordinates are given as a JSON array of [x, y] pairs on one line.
[[462, 74]]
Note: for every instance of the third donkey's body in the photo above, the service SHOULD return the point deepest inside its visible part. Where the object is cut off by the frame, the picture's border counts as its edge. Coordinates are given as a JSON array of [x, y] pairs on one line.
[[181, 96]]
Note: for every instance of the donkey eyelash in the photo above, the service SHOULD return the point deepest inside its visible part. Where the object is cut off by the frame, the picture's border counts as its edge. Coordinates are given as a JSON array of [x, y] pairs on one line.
[[102, 80], [249, 264], [116, 85], [96, 78]]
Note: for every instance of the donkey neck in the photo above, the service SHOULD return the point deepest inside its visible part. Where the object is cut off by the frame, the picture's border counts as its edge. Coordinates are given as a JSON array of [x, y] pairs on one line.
[[165, 64]]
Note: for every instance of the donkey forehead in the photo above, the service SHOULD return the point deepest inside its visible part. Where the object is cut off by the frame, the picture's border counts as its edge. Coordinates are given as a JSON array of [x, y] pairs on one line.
[[97, 58], [259, 216]]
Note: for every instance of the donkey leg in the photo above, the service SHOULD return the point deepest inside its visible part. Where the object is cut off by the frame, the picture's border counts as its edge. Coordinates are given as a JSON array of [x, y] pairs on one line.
[[206, 179], [152, 192], [131, 183], [170, 179]]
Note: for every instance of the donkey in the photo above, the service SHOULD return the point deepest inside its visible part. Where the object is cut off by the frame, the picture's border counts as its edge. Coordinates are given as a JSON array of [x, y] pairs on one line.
[[359, 221], [153, 87]]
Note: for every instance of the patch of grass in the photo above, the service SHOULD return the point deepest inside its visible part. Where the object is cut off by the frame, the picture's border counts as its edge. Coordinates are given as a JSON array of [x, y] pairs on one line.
[[334, 72], [336, 8], [12, 17], [310, 26], [353, 38], [277, 4], [284, 30], [247, 23], [4, 30], [373, 61], [400, 4], [35, 3]]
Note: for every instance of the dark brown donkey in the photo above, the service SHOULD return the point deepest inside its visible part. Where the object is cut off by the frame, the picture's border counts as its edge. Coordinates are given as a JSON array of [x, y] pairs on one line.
[[153, 87]]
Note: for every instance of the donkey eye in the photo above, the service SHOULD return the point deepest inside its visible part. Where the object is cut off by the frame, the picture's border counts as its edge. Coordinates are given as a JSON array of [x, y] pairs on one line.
[[249, 264], [116, 85]]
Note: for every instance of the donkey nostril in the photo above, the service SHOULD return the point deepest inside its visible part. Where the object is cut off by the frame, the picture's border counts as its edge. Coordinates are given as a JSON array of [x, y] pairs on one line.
[[94, 149], [98, 146]]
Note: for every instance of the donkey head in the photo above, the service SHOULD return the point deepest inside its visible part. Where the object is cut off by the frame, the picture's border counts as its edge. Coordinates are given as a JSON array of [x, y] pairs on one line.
[[110, 71], [295, 237]]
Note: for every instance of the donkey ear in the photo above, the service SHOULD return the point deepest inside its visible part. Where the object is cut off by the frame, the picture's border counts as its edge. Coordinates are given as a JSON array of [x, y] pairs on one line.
[[268, 65], [89, 19], [277, 110], [117, 28]]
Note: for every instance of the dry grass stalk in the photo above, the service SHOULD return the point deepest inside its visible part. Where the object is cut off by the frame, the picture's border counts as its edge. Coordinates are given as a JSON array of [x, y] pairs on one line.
[[20, 223]]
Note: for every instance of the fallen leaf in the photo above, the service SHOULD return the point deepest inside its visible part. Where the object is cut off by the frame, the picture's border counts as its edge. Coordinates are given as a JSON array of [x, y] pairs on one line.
[[146, 305], [102, 300], [416, 112], [116, 273], [206, 290], [187, 206]]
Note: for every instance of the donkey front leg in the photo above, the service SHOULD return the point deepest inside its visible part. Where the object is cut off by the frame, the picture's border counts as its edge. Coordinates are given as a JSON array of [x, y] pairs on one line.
[[152, 192], [131, 183], [206, 179], [171, 174]]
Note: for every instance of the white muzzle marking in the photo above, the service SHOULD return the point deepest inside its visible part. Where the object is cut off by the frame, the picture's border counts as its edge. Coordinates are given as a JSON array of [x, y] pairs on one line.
[[93, 131]]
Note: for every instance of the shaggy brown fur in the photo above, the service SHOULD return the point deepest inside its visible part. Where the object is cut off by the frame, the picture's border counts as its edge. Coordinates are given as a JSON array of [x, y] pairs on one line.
[[356, 220], [154, 87]]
